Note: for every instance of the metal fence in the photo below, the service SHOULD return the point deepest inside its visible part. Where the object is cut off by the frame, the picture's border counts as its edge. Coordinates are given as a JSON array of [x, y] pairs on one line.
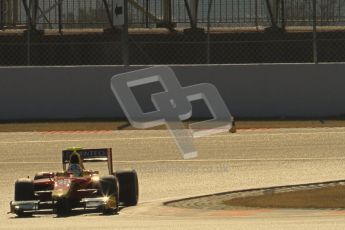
[[234, 31], [142, 13]]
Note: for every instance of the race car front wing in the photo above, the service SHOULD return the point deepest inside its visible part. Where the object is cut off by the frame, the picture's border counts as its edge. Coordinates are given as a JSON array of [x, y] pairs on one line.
[[32, 206], [24, 206]]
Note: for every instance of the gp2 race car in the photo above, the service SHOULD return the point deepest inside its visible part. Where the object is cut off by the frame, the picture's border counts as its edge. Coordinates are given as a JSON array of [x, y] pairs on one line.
[[63, 191]]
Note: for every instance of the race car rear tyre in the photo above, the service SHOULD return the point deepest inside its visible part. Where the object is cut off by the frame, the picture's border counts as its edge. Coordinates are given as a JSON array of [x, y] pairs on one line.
[[23, 191], [129, 187], [109, 187], [62, 207]]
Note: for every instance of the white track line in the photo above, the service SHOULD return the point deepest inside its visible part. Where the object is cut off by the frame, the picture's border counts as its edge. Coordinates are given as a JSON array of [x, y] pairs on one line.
[[315, 132]]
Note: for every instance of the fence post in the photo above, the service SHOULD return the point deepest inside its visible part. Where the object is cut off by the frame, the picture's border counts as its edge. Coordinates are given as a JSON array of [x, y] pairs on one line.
[[28, 32], [15, 12], [1, 14], [194, 12], [272, 6], [34, 14], [210, 2], [167, 14], [28, 14], [315, 54], [125, 38], [283, 14], [256, 15], [60, 15], [147, 9]]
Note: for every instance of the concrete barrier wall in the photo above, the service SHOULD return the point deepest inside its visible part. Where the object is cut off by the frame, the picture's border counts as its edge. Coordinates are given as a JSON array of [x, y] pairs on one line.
[[251, 91]]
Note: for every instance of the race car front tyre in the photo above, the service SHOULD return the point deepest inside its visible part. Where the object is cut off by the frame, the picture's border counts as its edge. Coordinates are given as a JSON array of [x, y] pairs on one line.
[[109, 188], [62, 207], [129, 187], [23, 191]]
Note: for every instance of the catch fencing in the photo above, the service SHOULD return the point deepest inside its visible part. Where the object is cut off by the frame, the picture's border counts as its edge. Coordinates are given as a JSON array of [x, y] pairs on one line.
[[81, 32]]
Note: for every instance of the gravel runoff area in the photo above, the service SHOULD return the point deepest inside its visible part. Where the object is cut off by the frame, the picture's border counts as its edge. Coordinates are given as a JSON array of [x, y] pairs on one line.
[[123, 125], [325, 195]]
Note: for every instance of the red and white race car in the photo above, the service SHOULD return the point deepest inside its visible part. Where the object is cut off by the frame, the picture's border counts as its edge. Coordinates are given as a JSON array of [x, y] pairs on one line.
[[63, 191]]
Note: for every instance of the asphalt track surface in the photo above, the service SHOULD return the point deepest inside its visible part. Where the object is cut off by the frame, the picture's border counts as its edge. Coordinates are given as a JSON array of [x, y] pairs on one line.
[[226, 162]]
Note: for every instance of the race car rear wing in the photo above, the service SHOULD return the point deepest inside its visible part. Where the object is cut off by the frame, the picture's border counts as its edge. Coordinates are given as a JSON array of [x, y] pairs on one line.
[[90, 155]]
